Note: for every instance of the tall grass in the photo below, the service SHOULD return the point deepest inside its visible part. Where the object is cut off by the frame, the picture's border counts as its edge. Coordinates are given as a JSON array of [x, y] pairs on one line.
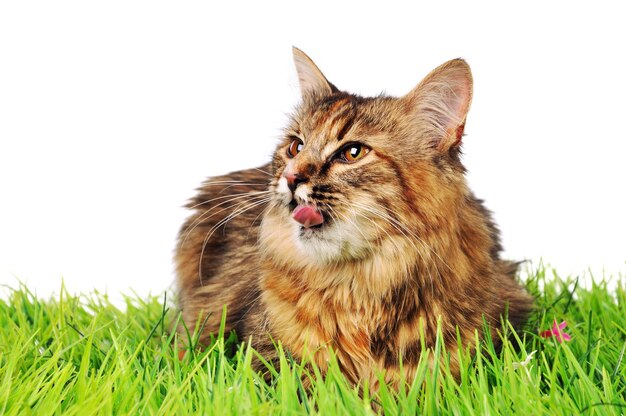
[[82, 355]]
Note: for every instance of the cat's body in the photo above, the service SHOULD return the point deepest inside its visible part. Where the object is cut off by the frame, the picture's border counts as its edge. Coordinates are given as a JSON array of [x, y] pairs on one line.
[[361, 235]]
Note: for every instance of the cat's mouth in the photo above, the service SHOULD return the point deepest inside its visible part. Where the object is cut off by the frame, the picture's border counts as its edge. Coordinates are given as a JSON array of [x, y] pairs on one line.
[[307, 215]]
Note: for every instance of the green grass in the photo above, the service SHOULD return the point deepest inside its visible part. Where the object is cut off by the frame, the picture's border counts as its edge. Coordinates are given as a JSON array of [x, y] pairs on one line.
[[82, 355]]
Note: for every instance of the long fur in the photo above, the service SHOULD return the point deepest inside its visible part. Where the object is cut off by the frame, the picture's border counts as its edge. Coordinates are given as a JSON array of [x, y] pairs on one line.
[[404, 247]]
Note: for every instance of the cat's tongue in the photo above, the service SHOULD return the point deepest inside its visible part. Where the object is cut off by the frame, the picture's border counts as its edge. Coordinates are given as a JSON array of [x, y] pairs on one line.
[[307, 215]]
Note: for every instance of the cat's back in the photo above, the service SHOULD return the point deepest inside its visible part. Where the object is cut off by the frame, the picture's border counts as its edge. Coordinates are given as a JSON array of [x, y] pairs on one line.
[[217, 252]]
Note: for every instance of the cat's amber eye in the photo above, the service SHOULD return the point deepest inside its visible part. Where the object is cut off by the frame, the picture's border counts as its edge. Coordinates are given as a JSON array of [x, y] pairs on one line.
[[353, 152], [295, 147]]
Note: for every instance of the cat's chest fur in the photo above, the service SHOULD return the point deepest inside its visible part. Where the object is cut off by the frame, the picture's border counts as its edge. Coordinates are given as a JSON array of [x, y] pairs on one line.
[[369, 311], [310, 320]]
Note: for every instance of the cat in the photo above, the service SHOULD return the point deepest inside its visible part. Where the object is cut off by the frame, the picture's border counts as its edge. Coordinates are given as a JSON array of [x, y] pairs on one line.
[[361, 235]]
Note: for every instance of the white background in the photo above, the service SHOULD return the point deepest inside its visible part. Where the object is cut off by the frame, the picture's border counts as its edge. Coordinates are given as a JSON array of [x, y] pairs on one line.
[[112, 112]]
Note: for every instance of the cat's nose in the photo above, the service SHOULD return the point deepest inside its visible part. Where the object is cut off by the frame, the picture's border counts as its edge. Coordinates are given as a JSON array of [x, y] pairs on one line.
[[293, 180]]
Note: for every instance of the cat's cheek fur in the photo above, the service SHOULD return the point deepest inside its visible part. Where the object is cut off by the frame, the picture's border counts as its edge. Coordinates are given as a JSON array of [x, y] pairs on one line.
[[278, 238]]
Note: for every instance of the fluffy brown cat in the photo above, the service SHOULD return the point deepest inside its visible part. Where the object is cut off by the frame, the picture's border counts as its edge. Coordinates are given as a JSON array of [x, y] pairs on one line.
[[359, 236]]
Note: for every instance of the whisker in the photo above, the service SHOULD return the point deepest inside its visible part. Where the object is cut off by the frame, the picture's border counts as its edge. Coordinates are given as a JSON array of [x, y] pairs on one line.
[[262, 171], [222, 222], [410, 232], [377, 226], [252, 223], [236, 182], [227, 196], [265, 185], [203, 216], [400, 227], [238, 211], [394, 241]]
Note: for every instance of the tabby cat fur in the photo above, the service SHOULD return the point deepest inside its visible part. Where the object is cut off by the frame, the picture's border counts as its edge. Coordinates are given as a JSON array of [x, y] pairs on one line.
[[360, 236]]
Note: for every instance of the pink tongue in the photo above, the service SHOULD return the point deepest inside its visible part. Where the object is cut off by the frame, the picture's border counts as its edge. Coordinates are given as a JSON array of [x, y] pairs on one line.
[[307, 215]]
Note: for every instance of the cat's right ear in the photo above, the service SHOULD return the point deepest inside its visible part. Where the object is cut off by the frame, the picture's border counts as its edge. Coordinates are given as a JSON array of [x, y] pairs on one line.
[[312, 81]]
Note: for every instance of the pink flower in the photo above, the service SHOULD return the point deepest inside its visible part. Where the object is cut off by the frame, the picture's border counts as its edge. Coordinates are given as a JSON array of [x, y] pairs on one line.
[[557, 332]]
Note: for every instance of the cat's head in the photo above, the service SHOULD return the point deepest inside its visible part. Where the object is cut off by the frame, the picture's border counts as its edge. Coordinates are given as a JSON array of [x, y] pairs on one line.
[[352, 172]]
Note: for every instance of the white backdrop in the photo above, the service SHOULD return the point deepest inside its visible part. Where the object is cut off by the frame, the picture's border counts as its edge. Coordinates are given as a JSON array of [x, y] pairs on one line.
[[111, 113]]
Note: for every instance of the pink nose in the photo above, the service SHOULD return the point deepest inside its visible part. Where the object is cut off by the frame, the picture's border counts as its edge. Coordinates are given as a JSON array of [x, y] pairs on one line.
[[307, 215], [293, 179]]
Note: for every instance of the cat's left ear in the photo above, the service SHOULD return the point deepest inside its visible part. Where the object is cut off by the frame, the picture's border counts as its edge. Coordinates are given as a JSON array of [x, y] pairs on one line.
[[440, 104], [312, 81]]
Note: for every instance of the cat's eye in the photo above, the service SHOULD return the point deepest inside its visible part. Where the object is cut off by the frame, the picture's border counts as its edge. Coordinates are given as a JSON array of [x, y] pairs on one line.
[[295, 147], [353, 152]]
